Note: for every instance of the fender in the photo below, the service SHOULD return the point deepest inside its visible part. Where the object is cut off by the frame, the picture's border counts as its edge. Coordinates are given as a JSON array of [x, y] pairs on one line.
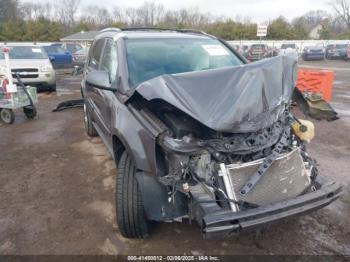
[[137, 135]]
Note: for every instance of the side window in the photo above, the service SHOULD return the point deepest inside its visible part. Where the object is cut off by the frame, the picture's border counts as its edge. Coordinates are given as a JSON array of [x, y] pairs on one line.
[[96, 54], [109, 61]]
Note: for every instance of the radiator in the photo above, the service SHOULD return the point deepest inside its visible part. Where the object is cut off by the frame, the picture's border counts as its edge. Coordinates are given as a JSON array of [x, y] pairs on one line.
[[286, 178]]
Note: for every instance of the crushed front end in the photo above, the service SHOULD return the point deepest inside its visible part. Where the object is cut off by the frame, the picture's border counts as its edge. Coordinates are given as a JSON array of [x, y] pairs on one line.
[[236, 182], [233, 152]]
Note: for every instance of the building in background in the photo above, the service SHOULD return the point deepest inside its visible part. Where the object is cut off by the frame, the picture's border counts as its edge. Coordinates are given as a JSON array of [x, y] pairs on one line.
[[315, 32], [83, 38]]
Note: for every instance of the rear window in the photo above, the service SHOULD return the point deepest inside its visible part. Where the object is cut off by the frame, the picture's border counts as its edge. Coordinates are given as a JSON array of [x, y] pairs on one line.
[[54, 49], [25, 52], [341, 46], [72, 48], [149, 58], [259, 46], [285, 46]]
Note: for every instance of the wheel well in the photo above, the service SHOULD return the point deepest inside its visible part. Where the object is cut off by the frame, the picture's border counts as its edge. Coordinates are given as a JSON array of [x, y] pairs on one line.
[[118, 148]]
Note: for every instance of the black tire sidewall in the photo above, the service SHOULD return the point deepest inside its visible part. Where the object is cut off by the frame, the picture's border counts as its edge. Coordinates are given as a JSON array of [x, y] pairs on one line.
[[131, 218], [89, 128]]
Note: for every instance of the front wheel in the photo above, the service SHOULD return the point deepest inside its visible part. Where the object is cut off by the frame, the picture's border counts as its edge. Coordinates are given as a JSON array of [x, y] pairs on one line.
[[7, 116], [131, 218]]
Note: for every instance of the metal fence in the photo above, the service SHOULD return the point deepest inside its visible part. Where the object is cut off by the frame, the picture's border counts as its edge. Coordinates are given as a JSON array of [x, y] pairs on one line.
[[300, 43]]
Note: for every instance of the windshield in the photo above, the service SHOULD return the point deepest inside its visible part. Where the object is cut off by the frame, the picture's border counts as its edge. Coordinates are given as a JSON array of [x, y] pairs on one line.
[[149, 58], [341, 46], [54, 49], [258, 47], [25, 52]]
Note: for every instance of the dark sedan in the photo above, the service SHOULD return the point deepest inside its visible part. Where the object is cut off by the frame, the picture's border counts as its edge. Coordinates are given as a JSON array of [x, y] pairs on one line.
[[336, 51], [313, 53]]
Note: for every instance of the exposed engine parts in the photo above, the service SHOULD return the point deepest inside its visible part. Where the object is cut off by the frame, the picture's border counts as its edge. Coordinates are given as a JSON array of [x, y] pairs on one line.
[[201, 159]]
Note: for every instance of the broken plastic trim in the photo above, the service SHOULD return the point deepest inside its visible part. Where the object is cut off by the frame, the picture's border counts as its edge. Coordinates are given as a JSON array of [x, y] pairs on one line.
[[78, 103]]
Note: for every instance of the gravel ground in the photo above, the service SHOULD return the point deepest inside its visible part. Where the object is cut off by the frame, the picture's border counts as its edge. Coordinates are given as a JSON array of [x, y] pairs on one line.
[[56, 190]]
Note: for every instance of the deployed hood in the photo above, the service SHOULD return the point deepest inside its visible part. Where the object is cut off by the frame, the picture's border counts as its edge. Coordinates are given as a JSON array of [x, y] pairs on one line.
[[238, 99]]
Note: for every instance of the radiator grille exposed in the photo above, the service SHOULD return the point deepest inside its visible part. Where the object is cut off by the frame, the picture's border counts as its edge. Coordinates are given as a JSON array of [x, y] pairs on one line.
[[285, 179]]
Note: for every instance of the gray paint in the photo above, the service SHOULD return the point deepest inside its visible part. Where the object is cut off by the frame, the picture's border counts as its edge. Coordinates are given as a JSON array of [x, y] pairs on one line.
[[238, 99]]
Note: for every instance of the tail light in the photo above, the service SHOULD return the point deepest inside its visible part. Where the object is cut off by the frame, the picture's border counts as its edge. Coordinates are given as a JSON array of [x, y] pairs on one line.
[[5, 83]]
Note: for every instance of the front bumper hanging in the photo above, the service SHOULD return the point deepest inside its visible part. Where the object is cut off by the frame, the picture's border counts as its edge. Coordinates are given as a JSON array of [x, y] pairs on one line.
[[216, 222]]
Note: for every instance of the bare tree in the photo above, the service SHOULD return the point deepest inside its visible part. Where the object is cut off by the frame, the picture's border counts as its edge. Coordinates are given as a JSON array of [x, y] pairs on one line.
[[9, 10], [119, 15], [132, 17], [97, 17], [342, 9], [32, 11], [66, 11]]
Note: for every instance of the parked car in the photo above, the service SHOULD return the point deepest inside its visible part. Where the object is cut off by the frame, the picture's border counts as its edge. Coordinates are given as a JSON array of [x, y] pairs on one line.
[[244, 50], [347, 58], [79, 57], [32, 64], [289, 49], [336, 51], [258, 51], [313, 53], [71, 47], [196, 132], [60, 57]]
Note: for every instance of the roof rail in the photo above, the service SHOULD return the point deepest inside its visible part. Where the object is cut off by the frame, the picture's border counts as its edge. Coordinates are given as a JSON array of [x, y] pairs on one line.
[[115, 29], [166, 29], [146, 29], [194, 31]]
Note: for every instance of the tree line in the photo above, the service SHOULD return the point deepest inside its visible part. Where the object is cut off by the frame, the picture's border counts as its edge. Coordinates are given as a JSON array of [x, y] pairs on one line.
[[31, 21]]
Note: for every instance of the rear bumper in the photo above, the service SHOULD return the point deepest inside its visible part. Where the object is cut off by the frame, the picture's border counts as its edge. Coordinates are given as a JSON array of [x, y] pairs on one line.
[[219, 224]]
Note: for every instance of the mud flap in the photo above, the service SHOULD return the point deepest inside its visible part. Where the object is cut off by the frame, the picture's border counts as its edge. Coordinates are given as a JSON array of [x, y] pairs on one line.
[[314, 106], [155, 199]]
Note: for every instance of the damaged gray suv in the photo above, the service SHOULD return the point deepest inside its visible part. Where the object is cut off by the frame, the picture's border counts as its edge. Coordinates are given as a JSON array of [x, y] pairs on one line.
[[197, 133]]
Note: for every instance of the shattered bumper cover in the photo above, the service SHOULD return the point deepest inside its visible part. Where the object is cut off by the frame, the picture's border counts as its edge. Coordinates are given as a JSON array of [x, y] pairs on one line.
[[227, 223]]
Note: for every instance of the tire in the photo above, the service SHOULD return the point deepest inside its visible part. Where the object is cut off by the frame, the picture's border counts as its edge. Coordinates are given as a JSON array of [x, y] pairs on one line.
[[30, 112], [131, 218], [89, 127], [7, 116]]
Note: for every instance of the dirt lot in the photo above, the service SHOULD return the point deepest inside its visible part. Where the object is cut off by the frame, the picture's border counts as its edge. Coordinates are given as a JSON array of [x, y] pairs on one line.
[[57, 190]]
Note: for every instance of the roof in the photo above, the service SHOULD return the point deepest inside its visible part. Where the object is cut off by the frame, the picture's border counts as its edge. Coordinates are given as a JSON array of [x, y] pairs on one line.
[[138, 33], [81, 36], [32, 44]]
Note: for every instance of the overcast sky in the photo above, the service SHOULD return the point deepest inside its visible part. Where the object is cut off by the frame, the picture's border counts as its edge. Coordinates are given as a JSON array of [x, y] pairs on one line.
[[257, 10]]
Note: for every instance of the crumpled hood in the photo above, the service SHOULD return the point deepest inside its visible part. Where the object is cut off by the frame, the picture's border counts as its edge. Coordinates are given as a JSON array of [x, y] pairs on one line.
[[238, 99]]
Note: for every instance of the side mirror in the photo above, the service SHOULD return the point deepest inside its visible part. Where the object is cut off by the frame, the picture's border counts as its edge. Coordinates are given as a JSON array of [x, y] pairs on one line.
[[99, 79], [52, 59]]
